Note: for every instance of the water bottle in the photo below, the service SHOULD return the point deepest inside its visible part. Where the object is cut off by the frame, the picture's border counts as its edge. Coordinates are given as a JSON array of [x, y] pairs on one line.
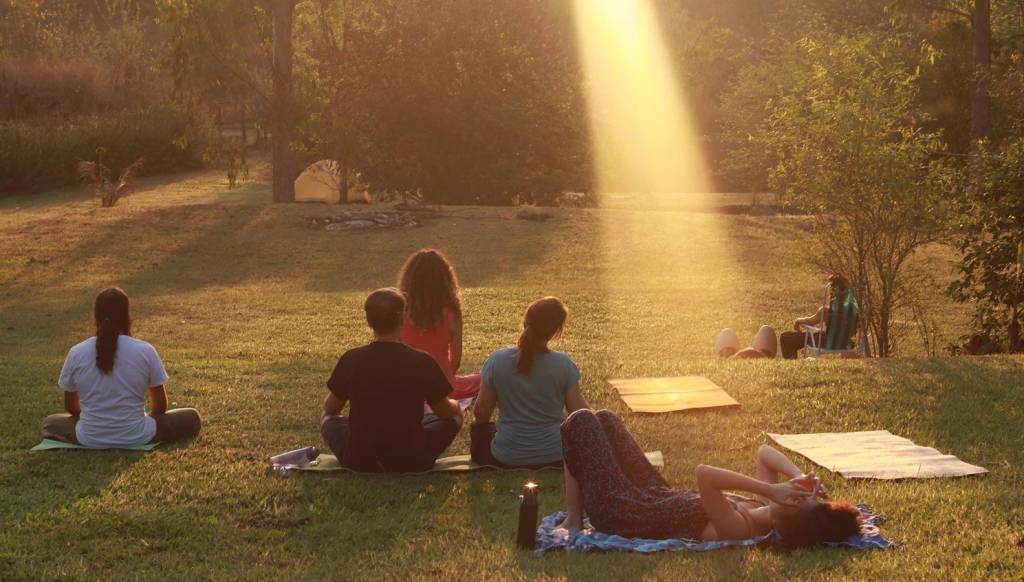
[[527, 536], [293, 459]]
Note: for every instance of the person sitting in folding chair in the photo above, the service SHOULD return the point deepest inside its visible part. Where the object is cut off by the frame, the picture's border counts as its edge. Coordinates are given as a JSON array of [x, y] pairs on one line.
[[831, 329]]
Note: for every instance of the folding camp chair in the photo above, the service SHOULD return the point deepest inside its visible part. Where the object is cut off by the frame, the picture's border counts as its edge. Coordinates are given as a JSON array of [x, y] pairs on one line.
[[836, 337]]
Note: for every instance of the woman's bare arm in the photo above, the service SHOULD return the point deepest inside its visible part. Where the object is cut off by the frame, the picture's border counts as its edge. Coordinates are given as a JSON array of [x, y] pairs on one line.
[[455, 350], [727, 521], [771, 462], [333, 405], [812, 320], [71, 404], [157, 400], [574, 400], [486, 401]]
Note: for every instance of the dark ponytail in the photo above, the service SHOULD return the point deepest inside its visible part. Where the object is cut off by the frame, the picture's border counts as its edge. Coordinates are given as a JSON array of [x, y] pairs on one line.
[[544, 320], [113, 319]]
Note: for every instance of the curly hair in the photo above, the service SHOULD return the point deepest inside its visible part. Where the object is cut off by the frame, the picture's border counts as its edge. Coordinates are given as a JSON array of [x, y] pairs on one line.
[[825, 522], [429, 283]]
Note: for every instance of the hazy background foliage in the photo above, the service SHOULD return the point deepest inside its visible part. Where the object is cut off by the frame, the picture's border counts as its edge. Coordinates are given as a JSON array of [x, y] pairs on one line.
[[466, 101]]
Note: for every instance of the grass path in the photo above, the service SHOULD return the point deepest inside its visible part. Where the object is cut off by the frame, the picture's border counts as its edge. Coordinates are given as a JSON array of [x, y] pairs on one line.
[[249, 309]]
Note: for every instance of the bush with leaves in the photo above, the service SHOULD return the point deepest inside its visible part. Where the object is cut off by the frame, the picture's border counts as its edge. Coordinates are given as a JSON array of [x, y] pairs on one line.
[[848, 149], [990, 238], [38, 156], [100, 178]]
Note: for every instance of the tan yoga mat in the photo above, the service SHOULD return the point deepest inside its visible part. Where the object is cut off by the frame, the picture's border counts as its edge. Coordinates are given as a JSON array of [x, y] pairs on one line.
[[446, 464], [671, 394], [875, 454]]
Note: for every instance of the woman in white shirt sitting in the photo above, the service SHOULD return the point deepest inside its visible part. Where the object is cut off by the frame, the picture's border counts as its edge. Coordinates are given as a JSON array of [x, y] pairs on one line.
[[106, 380]]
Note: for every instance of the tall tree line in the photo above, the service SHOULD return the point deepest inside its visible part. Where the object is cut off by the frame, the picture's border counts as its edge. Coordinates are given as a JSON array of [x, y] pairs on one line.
[[470, 101]]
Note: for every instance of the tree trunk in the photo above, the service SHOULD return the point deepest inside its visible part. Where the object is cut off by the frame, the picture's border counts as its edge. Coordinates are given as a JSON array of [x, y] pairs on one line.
[[981, 33], [282, 157], [241, 120], [1016, 343], [343, 185]]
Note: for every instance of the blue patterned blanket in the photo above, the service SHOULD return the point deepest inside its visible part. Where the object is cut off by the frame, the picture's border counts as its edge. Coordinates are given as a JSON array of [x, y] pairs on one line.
[[549, 537]]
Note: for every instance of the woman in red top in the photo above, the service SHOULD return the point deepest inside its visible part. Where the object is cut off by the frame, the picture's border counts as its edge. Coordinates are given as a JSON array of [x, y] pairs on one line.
[[433, 316]]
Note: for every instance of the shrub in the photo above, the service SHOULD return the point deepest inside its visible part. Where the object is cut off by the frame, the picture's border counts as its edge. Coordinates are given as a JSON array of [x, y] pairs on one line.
[[990, 237], [99, 177], [35, 157], [847, 151]]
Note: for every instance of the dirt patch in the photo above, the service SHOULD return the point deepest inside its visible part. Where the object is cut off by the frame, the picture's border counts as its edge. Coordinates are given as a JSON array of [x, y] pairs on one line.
[[366, 220], [534, 214]]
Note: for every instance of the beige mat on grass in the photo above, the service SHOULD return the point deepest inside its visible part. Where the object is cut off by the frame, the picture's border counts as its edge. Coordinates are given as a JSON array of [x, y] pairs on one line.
[[446, 464], [875, 454], [671, 394]]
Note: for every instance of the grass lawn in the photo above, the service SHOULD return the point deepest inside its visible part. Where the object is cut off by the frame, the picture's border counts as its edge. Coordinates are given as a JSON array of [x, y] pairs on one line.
[[250, 308]]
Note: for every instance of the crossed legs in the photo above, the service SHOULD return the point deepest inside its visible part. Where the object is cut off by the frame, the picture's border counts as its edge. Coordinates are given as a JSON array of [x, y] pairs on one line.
[[173, 425]]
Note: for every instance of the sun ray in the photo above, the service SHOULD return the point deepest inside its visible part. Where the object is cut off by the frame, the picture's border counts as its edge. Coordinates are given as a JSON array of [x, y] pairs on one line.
[[668, 255], [644, 137]]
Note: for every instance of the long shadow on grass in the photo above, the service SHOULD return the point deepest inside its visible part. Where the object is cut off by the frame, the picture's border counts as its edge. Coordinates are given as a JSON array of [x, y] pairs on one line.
[[494, 499], [487, 249], [45, 482], [63, 195], [974, 404], [200, 261], [41, 329], [372, 514]]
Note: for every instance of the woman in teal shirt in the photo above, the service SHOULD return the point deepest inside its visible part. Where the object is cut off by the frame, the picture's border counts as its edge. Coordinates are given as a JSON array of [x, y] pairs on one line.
[[534, 387]]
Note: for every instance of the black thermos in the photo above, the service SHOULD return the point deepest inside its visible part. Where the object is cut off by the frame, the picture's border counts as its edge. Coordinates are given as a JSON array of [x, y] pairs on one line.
[[527, 536]]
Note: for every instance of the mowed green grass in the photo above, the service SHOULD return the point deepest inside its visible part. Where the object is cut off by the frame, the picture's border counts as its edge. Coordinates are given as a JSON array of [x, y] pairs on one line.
[[250, 309]]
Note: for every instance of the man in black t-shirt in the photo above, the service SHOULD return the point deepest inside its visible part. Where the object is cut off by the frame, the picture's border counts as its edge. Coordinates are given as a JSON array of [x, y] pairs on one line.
[[386, 383]]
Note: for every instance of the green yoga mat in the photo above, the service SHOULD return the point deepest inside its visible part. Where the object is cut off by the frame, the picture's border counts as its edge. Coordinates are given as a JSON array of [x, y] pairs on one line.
[[455, 463], [50, 444]]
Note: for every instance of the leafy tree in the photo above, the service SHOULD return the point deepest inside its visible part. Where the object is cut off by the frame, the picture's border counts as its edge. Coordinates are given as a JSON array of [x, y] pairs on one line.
[[979, 14], [462, 101], [65, 59], [990, 236], [848, 152], [746, 107], [340, 125], [217, 48], [469, 102]]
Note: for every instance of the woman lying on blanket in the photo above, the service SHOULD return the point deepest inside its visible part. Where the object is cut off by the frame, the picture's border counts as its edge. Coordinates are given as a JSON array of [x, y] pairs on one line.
[[607, 474]]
